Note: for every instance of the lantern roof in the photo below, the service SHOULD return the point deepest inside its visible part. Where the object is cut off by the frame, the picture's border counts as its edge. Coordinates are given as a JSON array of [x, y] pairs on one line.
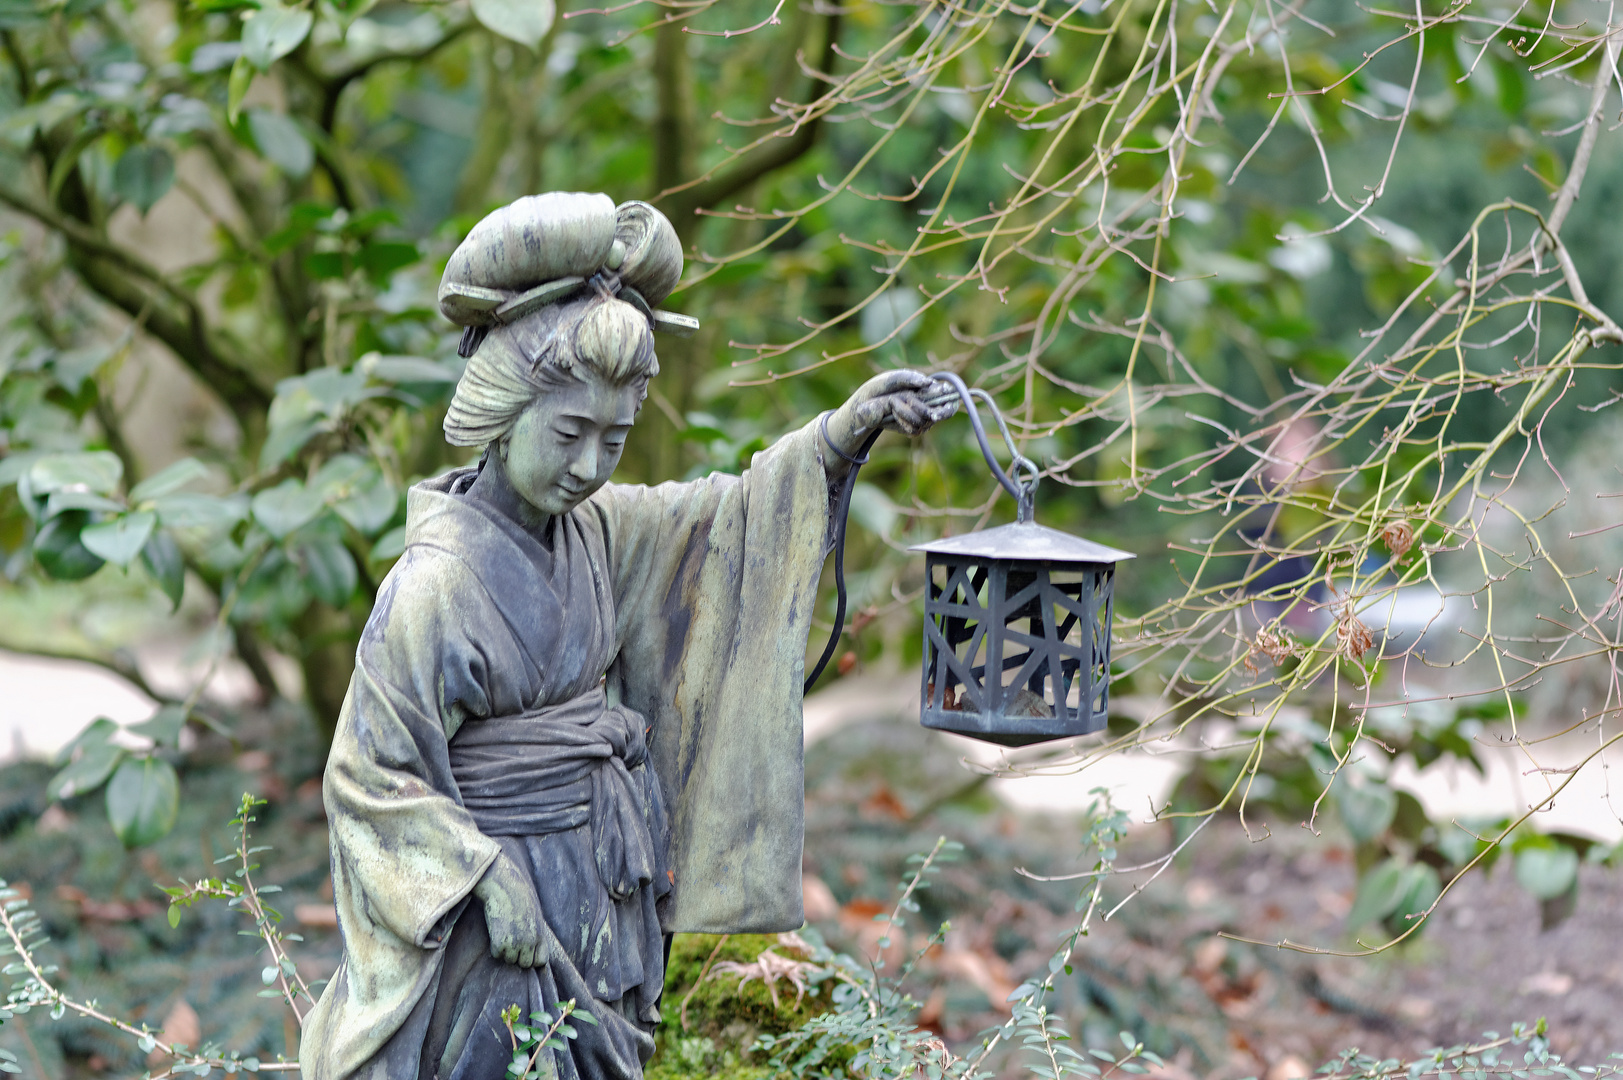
[[1027, 542]]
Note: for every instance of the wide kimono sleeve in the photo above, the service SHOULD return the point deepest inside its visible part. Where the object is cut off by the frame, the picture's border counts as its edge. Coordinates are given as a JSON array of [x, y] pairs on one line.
[[715, 582], [405, 853]]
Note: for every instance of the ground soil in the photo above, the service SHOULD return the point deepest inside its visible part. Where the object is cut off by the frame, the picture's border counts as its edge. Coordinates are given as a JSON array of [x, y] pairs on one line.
[[1161, 968], [1174, 966]]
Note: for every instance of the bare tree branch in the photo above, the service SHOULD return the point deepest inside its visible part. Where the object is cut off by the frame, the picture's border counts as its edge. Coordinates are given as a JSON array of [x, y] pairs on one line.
[[682, 203], [112, 272]]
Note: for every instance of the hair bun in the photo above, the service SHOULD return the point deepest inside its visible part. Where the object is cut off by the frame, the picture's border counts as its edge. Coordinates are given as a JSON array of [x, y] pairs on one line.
[[653, 254], [533, 240], [498, 273]]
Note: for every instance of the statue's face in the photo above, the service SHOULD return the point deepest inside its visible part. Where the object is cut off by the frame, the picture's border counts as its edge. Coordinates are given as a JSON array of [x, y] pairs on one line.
[[566, 444]]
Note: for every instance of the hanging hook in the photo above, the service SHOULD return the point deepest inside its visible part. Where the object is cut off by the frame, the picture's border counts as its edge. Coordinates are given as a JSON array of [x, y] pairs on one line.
[[1023, 484]]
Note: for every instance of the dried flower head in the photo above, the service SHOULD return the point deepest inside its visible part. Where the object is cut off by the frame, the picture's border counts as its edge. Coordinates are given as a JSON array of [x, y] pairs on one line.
[[1277, 647], [1399, 537], [1353, 638]]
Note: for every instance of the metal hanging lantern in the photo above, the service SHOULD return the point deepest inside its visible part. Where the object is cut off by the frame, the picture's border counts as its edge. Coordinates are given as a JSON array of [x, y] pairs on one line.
[[1016, 619]]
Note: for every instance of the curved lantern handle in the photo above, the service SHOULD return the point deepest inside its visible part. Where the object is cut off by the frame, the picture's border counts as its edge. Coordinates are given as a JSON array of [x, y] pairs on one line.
[[1023, 489]]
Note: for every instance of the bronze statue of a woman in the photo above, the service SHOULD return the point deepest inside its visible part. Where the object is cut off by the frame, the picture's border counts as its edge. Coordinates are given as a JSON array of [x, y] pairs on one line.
[[575, 721]]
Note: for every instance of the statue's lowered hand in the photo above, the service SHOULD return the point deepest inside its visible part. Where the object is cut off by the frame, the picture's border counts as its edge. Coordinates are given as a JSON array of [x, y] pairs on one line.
[[518, 932]]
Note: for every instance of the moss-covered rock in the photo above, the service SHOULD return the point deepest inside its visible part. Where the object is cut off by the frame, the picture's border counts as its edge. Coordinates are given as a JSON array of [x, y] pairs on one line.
[[724, 1013]]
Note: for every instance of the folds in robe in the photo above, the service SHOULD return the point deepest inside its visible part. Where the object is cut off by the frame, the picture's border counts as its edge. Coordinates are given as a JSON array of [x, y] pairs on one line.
[[715, 584], [696, 600]]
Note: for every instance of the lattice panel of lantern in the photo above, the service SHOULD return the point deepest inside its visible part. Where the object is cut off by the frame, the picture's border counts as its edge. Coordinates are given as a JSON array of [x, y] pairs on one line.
[[1017, 650]]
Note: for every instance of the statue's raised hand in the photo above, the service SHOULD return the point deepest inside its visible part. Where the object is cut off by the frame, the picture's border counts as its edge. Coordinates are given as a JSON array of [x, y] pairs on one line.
[[518, 932], [906, 401]]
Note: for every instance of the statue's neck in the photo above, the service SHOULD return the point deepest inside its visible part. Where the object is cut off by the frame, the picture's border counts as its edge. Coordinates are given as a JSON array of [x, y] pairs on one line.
[[492, 487]]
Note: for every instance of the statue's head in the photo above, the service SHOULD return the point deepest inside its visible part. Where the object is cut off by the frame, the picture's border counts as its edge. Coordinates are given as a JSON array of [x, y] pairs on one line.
[[557, 293], [554, 395]]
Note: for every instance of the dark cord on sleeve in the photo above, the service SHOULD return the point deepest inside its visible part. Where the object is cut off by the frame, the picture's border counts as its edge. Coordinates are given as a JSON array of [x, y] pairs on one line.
[[841, 517]]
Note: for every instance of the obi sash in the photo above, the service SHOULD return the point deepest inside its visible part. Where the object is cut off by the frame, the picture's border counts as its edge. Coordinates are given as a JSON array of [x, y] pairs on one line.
[[560, 767]]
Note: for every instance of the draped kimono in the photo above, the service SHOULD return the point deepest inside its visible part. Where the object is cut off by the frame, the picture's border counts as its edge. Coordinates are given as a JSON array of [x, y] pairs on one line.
[[615, 705]]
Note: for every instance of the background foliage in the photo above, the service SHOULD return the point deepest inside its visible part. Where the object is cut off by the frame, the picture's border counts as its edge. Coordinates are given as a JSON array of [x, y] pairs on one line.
[[1306, 303]]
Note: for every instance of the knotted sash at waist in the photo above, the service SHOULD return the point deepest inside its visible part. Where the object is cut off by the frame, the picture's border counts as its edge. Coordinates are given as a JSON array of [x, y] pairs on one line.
[[560, 767]]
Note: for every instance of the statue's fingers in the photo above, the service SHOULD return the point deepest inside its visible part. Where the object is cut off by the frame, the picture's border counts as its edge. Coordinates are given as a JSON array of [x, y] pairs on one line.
[[898, 379], [871, 414], [547, 947], [911, 415]]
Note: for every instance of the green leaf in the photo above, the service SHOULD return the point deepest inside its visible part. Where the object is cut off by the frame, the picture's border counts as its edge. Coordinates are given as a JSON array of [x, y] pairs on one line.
[[1379, 891], [1366, 810], [282, 143], [303, 220], [287, 439], [144, 175], [16, 14], [165, 726], [1546, 869], [242, 77], [1458, 843], [358, 491], [15, 466], [329, 570], [370, 508], [143, 800], [339, 475], [170, 479], [93, 470], [1512, 91], [406, 369], [187, 511], [1418, 888], [383, 257], [164, 562], [73, 156], [523, 21], [285, 507], [184, 115], [94, 765], [391, 545], [72, 367], [272, 34], [20, 125], [367, 222], [120, 540], [323, 392], [325, 265], [61, 502], [873, 509], [99, 731], [59, 551]]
